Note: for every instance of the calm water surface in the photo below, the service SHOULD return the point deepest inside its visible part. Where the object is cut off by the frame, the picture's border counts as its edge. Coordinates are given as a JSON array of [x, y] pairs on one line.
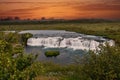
[[67, 56]]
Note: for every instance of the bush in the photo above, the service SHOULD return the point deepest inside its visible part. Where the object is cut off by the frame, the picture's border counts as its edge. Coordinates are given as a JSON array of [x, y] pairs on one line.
[[52, 53], [103, 66], [14, 64], [25, 37]]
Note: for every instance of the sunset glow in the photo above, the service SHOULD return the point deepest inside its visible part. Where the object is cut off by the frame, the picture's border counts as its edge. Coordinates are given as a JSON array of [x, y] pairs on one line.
[[65, 9]]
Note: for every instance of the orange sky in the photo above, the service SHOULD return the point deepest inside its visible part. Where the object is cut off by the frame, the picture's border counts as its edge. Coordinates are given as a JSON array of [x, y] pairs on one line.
[[66, 9]]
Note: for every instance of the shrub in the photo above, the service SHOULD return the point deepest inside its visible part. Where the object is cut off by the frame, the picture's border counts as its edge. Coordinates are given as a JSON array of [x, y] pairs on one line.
[[103, 66], [25, 37], [14, 64], [52, 53]]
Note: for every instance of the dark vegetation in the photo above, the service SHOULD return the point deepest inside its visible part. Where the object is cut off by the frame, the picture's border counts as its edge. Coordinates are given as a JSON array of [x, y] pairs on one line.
[[17, 21], [25, 37], [15, 65], [52, 53]]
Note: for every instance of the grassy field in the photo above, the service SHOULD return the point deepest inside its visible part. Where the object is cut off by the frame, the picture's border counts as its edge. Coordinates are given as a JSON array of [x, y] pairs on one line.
[[107, 29]]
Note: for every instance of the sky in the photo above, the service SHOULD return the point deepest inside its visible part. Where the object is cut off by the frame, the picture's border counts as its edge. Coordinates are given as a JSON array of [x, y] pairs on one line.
[[60, 9]]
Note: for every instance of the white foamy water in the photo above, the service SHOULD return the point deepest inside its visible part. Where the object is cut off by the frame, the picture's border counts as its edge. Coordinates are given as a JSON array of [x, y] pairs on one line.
[[65, 39], [73, 43]]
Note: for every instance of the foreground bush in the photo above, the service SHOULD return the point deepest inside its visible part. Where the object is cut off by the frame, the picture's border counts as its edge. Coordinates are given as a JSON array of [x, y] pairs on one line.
[[103, 66], [14, 63]]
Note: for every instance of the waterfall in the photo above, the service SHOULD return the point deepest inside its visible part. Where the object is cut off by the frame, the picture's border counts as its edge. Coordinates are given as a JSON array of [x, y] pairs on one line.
[[73, 43]]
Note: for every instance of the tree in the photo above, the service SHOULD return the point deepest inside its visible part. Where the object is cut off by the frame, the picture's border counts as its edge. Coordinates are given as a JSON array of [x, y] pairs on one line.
[[16, 18], [43, 18]]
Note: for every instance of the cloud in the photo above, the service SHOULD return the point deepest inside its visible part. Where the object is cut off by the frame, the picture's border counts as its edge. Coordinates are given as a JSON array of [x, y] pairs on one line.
[[28, 9], [61, 8], [20, 12], [97, 7]]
